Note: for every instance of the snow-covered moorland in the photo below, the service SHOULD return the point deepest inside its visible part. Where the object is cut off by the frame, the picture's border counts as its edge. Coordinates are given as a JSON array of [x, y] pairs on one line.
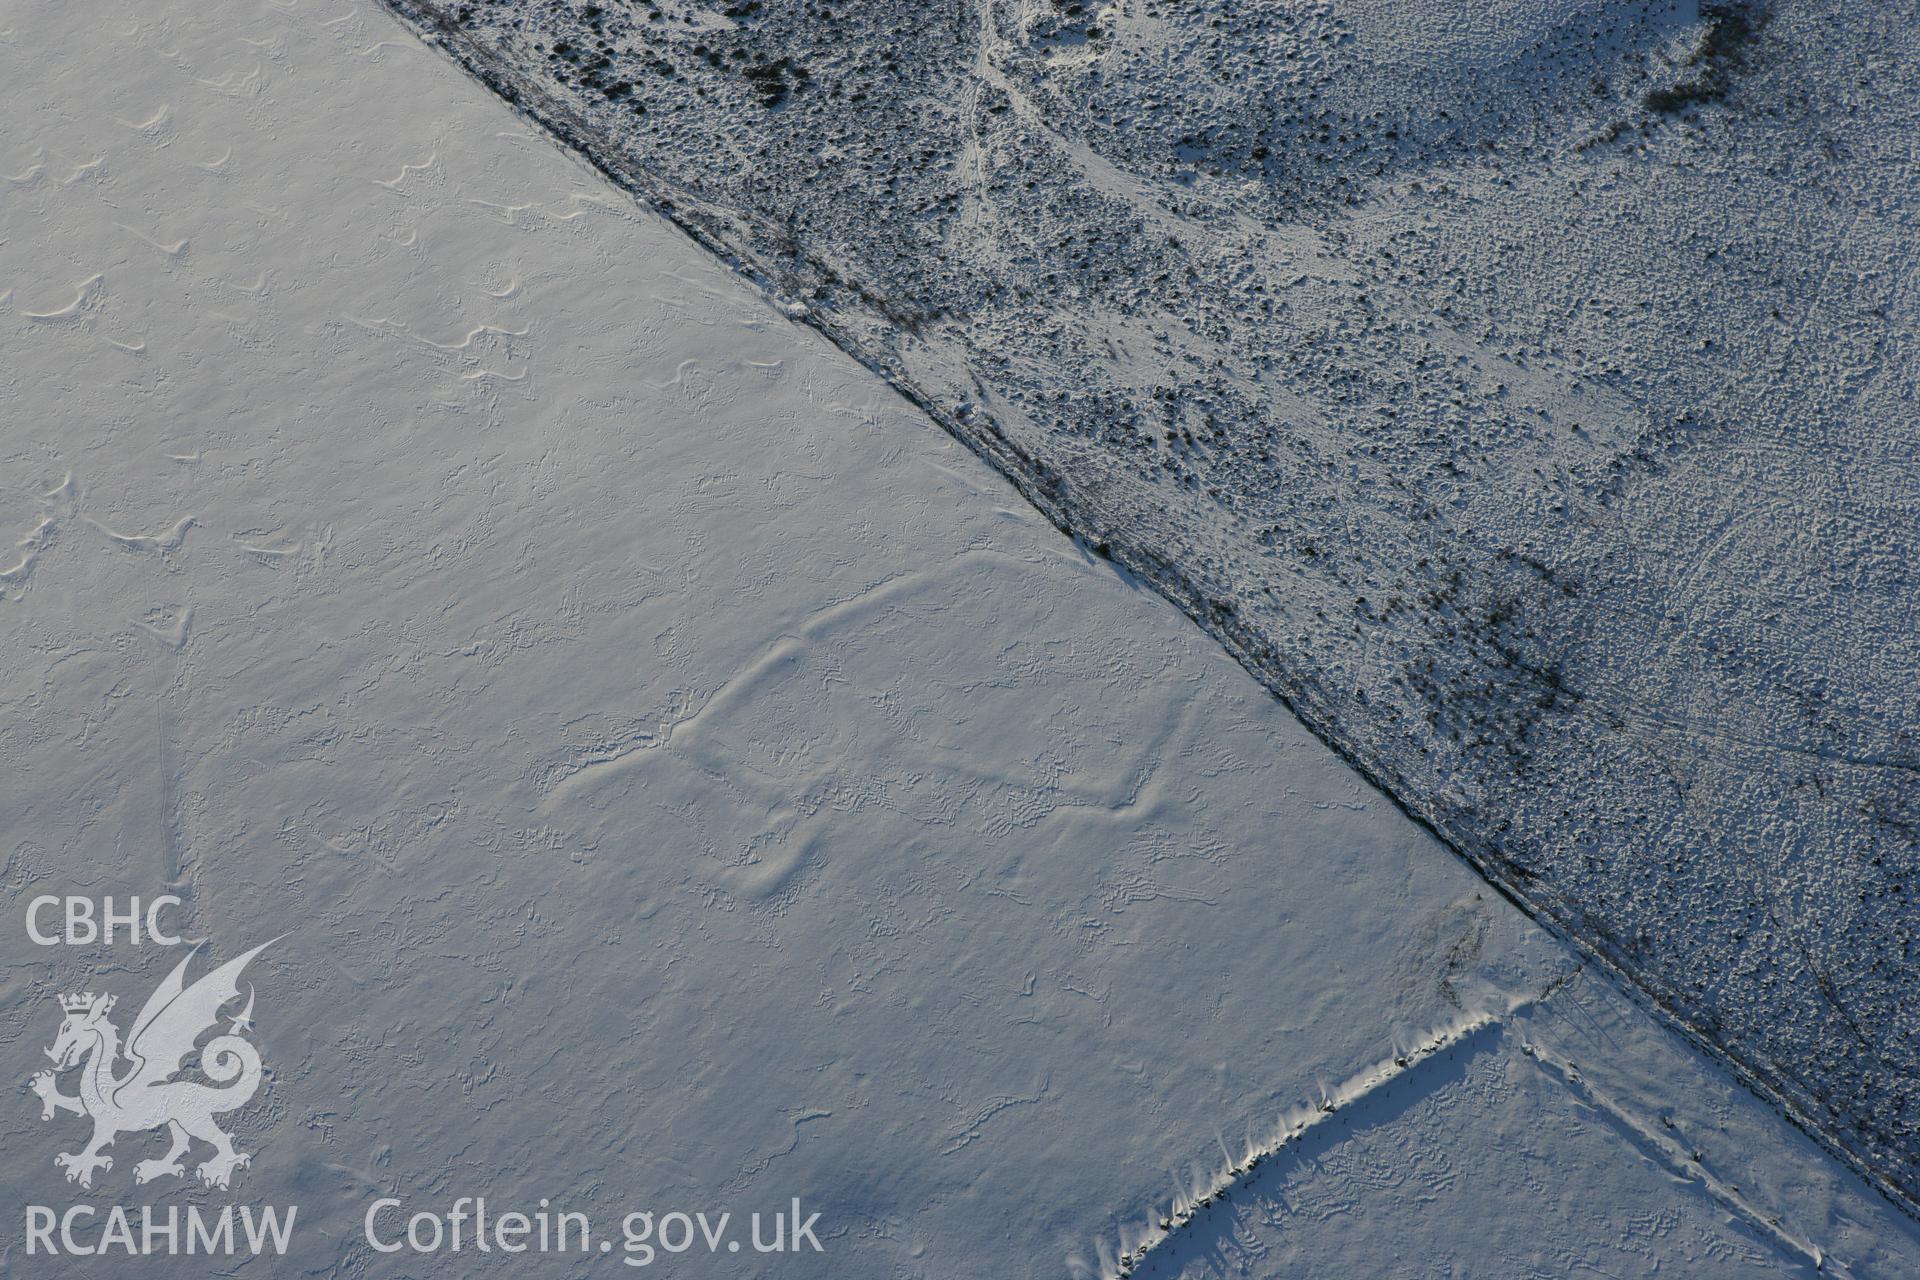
[[685, 782], [1524, 391]]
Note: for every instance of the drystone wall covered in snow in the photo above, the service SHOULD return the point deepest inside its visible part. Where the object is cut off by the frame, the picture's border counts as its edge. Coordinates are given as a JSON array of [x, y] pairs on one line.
[[1525, 393]]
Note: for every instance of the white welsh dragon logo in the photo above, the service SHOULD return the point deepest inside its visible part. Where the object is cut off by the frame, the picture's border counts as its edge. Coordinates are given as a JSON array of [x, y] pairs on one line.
[[147, 1096]]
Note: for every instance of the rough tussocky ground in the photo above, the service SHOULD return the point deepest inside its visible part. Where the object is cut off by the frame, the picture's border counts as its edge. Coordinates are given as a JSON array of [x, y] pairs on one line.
[[683, 782], [1524, 391]]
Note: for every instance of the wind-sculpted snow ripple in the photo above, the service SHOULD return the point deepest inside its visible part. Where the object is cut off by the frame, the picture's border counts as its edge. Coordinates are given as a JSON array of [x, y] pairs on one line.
[[1527, 397]]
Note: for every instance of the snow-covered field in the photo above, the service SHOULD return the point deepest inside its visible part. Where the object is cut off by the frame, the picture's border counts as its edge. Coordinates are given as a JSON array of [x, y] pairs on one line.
[[1524, 391], [686, 780]]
